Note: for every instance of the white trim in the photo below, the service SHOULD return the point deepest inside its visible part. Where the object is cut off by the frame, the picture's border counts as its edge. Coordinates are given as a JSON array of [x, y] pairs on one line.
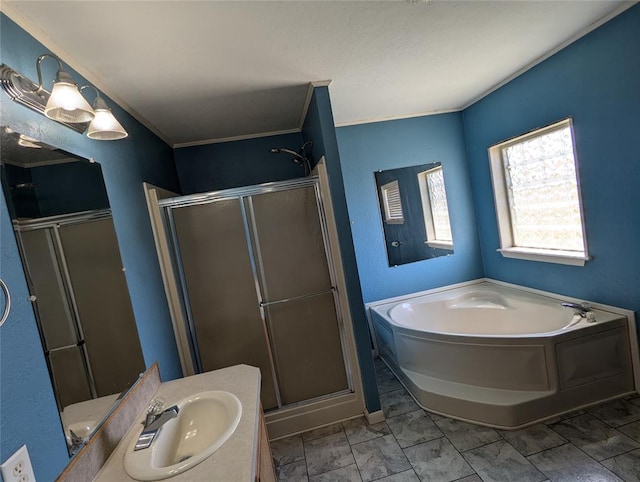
[[169, 283], [321, 83], [545, 255], [427, 209], [71, 61], [375, 417], [307, 101], [396, 117], [439, 244], [552, 52], [305, 107], [243, 137]]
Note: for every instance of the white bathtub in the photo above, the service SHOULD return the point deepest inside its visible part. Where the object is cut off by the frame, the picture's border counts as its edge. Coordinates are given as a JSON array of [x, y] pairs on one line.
[[503, 356]]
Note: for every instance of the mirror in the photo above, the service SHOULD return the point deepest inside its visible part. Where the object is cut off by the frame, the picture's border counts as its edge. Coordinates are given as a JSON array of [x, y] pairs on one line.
[[415, 213], [62, 221]]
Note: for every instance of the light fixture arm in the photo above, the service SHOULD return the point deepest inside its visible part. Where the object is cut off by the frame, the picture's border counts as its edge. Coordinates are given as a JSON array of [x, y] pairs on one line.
[[67, 78], [98, 100]]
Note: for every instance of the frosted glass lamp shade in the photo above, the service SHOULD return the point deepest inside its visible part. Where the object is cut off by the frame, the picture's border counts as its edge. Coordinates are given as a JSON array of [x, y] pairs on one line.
[[104, 126], [66, 104]]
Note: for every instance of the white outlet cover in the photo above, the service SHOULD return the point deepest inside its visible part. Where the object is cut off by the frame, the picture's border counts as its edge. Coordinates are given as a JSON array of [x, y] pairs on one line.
[[17, 468]]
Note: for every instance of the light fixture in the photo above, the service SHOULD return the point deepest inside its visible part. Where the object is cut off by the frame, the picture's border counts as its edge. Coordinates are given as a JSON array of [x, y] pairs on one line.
[[104, 126], [65, 104]]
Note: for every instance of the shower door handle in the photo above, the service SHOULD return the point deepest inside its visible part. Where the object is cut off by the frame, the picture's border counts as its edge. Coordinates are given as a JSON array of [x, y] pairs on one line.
[[295, 298]]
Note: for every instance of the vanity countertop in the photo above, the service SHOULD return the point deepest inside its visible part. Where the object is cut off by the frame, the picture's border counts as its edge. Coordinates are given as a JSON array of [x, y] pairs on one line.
[[236, 460]]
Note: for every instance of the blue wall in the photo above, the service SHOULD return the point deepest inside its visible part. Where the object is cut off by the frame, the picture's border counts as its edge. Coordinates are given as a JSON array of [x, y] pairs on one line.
[[367, 148], [319, 128], [28, 410], [58, 189], [239, 163], [596, 80]]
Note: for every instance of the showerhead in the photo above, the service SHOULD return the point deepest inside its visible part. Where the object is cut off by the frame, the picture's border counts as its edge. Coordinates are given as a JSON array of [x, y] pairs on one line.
[[297, 158]]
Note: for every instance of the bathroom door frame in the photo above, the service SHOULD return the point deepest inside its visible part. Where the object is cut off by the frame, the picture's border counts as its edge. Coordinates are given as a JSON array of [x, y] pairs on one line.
[[299, 416]]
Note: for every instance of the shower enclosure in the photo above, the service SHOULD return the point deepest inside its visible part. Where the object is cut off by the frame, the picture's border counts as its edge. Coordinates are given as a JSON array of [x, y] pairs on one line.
[[256, 282], [81, 303]]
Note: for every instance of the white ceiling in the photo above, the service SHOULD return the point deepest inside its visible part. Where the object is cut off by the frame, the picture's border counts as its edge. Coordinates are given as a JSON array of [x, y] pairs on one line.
[[196, 72]]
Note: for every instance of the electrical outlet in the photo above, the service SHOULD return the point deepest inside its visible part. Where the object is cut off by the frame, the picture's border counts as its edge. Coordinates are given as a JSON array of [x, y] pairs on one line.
[[17, 468]]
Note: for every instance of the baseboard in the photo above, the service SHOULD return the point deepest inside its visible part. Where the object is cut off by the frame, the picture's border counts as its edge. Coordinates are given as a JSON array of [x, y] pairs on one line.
[[285, 422], [375, 417]]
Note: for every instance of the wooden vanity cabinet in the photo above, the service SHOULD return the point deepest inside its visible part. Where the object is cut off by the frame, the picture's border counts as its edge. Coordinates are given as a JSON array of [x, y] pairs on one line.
[[264, 471]]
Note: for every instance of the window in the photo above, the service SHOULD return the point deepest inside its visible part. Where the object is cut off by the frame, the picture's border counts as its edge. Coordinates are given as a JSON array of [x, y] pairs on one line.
[[392, 203], [537, 196], [435, 208]]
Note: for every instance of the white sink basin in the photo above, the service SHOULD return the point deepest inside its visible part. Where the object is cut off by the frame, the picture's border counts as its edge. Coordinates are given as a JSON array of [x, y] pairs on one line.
[[204, 423], [82, 429]]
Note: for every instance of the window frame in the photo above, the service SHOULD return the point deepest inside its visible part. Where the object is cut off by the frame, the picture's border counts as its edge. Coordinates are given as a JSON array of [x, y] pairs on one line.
[[508, 249], [427, 211]]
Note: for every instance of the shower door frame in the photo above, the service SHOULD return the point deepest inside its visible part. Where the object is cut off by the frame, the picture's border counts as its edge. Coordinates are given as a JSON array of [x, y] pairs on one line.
[[244, 196]]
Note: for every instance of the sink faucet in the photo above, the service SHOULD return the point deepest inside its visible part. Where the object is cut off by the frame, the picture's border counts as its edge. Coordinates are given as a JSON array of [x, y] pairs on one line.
[[583, 310], [152, 424]]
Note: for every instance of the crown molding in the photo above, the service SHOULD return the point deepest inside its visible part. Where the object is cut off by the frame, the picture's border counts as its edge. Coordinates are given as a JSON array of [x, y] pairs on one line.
[[395, 117], [244, 137]]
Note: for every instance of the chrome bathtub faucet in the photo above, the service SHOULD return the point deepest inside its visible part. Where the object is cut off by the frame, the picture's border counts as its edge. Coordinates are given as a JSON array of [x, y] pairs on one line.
[[153, 423], [583, 310]]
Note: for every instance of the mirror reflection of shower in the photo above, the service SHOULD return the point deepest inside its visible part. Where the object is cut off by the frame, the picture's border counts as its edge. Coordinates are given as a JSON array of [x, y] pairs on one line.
[[66, 238], [299, 157]]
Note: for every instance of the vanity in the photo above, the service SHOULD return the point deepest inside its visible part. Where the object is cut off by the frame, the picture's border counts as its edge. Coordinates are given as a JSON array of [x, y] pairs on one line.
[[245, 456]]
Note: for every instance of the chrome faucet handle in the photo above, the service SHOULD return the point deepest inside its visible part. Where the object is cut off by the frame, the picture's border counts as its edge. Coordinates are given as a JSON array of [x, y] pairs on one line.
[[156, 406], [581, 307]]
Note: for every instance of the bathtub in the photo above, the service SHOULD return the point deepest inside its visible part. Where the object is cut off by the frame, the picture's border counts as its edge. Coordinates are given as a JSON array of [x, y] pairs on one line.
[[502, 355]]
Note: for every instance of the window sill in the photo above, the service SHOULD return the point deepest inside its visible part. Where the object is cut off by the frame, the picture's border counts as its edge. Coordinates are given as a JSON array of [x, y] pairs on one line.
[[439, 244], [545, 256]]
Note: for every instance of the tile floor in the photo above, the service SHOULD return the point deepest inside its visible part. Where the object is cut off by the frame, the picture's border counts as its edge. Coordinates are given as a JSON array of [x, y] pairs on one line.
[[598, 444]]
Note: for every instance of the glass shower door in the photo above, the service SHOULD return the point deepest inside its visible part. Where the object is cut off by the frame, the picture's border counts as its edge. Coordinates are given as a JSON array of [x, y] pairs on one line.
[[256, 288], [101, 296], [53, 307], [297, 294], [221, 289]]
